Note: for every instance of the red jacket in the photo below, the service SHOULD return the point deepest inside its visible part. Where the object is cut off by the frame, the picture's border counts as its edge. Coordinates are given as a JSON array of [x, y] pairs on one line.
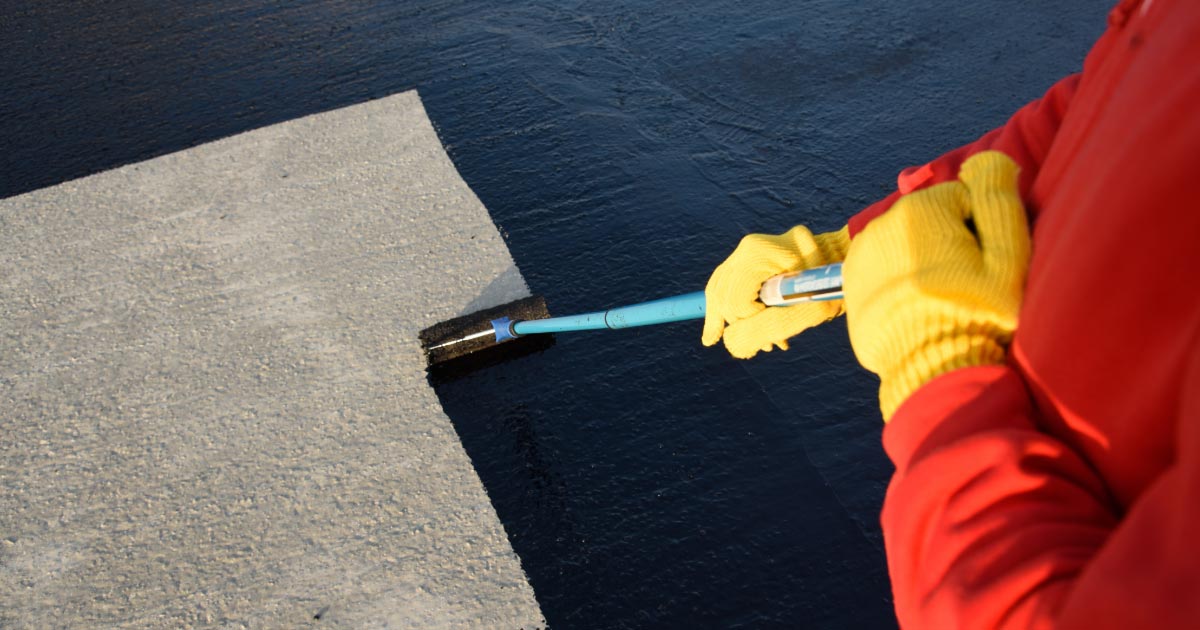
[[1063, 489]]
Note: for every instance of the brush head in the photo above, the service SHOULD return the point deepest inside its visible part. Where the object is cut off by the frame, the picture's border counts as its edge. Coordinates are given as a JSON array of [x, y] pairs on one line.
[[451, 340]]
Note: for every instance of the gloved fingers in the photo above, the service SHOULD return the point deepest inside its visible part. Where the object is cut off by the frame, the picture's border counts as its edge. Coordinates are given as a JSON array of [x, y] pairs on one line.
[[1000, 220], [732, 291], [731, 295], [735, 295], [714, 325], [727, 298], [773, 327], [936, 213], [832, 246], [716, 318], [945, 207], [716, 300]]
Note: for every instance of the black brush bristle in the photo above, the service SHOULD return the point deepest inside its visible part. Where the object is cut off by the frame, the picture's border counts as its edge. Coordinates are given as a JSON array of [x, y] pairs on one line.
[[432, 338]]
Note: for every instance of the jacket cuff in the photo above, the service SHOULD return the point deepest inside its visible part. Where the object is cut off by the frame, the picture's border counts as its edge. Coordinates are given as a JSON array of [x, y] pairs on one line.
[[940, 412]]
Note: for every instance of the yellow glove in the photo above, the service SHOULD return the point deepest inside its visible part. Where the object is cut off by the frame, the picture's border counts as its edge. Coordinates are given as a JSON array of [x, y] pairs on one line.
[[732, 292], [925, 296]]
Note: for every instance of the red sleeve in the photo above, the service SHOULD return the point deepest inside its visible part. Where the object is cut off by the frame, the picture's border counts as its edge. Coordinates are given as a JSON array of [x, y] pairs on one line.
[[990, 523], [1146, 574], [1026, 138]]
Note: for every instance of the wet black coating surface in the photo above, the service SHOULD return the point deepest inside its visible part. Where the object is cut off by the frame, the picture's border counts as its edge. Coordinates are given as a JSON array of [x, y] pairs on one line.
[[623, 148]]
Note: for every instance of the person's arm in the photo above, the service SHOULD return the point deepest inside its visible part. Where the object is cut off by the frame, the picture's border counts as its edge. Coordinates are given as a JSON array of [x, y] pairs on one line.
[[987, 521], [1026, 138], [990, 523]]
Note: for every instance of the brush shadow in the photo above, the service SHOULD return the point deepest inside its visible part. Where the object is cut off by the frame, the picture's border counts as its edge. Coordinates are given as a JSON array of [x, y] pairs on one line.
[[465, 365], [500, 290]]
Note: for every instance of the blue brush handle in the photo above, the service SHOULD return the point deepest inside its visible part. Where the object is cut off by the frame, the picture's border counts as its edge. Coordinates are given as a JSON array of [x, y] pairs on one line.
[[811, 285]]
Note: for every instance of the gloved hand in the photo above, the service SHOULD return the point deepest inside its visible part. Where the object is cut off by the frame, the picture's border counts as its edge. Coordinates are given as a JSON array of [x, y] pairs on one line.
[[923, 295], [732, 292]]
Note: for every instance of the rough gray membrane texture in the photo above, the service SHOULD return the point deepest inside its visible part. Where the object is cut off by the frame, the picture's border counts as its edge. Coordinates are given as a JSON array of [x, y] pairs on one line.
[[214, 405]]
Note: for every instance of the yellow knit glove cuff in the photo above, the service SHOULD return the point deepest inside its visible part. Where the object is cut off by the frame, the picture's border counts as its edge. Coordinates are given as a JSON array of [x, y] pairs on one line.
[[732, 308], [925, 295]]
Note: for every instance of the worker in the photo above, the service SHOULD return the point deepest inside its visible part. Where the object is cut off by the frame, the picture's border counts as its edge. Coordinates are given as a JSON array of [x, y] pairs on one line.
[[1028, 302]]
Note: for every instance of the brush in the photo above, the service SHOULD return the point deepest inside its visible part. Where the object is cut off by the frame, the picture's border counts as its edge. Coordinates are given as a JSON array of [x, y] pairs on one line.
[[528, 319]]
